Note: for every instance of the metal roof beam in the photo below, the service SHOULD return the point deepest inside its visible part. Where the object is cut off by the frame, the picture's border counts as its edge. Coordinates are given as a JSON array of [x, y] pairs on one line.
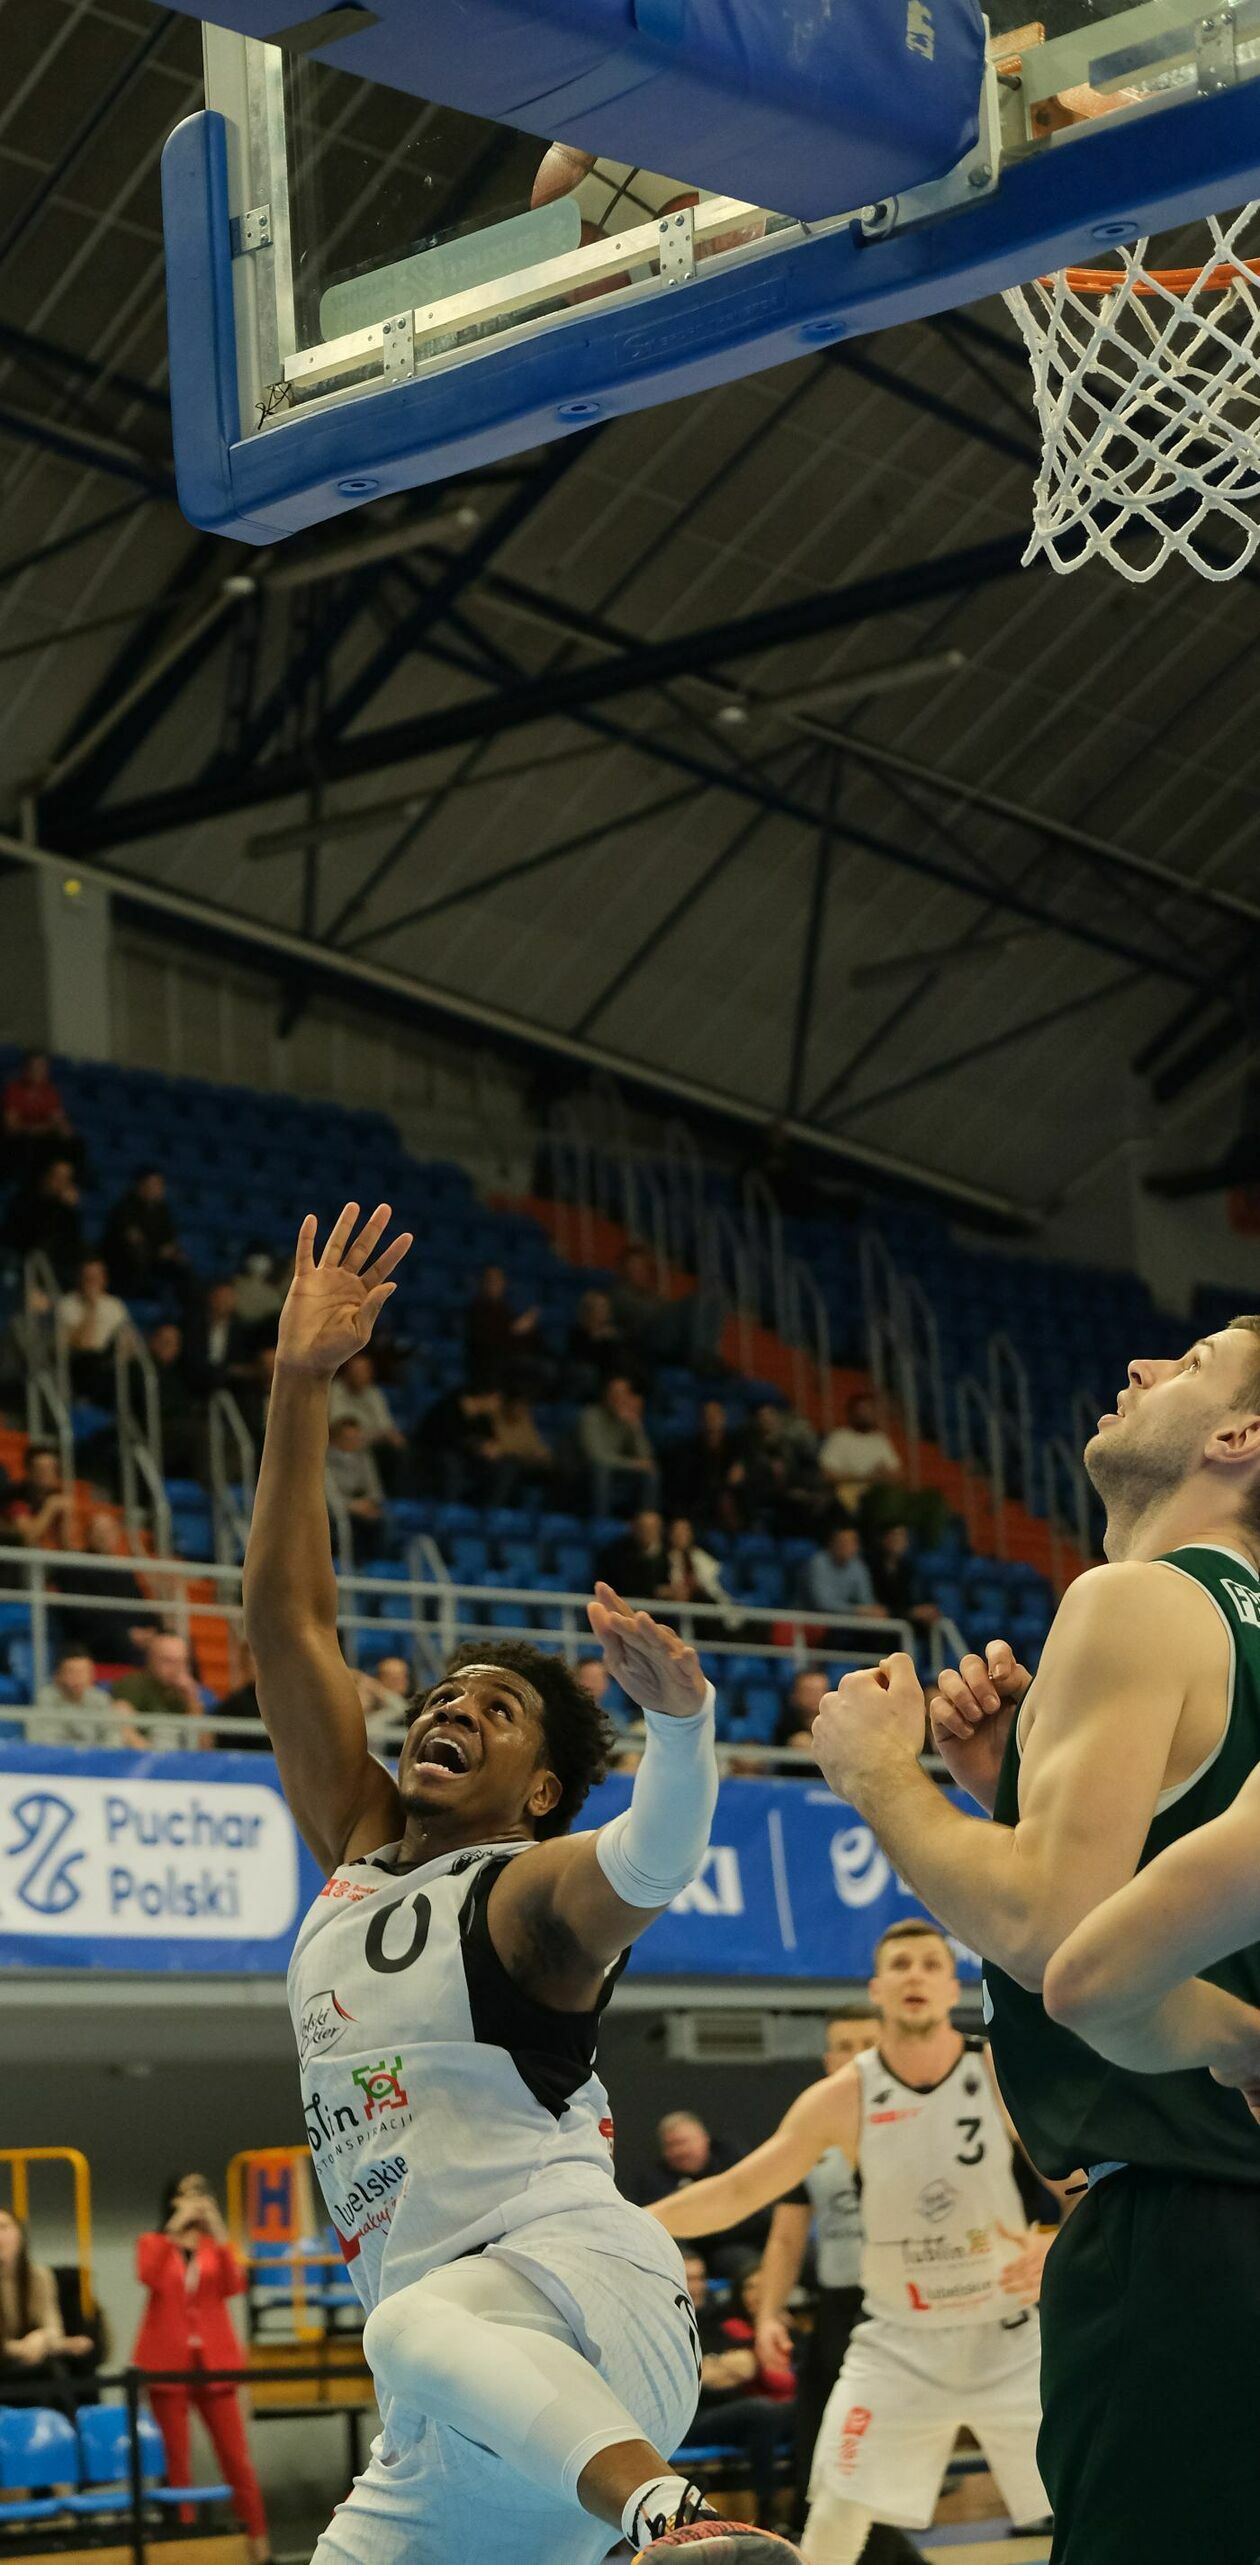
[[89, 449], [556, 692]]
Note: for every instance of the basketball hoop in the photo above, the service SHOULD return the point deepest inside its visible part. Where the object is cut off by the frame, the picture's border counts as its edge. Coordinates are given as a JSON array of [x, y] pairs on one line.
[[1147, 384]]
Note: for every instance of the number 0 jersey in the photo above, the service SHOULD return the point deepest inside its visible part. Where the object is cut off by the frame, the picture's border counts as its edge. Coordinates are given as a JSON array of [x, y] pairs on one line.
[[937, 2188], [445, 2109]]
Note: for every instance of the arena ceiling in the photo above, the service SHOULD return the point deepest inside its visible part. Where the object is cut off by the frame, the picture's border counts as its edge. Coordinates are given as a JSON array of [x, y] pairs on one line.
[[728, 743]]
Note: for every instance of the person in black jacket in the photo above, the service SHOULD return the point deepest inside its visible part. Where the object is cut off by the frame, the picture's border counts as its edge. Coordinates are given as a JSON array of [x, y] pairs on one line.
[[45, 1218], [141, 1247]]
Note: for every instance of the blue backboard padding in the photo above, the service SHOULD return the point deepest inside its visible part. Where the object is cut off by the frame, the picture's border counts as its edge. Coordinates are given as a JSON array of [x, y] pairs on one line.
[[804, 108], [1150, 174]]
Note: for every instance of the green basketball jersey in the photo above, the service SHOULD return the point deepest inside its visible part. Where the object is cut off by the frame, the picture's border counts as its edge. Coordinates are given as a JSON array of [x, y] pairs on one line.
[[1070, 2106]]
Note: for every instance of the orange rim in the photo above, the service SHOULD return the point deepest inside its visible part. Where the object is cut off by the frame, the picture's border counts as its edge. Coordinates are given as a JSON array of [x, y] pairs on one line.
[[1169, 280]]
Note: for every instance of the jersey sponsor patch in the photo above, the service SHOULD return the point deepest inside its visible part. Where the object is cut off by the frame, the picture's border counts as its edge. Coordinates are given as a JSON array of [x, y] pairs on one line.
[[320, 2023]]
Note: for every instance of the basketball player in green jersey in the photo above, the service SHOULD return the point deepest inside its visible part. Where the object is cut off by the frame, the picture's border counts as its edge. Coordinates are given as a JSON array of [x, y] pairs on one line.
[[1141, 1731]]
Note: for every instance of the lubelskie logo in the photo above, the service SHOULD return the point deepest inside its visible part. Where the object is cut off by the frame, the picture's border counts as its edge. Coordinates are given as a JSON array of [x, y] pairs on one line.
[[47, 1884], [381, 2087], [322, 2023]]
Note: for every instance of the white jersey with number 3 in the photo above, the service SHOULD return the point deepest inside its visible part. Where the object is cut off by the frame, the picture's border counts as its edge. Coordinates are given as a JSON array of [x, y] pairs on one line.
[[937, 2190]]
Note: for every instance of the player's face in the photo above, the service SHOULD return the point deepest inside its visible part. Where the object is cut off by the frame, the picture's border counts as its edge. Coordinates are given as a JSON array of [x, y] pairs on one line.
[[1161, 1430], [474, 1753], [915, 1987], [846, 2040]]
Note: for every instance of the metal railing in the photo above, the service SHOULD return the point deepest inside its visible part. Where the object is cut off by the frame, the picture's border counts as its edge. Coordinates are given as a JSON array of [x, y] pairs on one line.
[[979, 1450], [233, 1476], [1065, 1496], [1012, 1409], [141, 1461], [807, 1329], [48, 1399]]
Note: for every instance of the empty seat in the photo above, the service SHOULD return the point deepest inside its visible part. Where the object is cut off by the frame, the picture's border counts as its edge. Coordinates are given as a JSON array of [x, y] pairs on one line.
[[38, 2450]]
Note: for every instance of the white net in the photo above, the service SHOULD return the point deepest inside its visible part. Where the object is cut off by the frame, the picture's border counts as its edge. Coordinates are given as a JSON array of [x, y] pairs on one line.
[[1147, 386]]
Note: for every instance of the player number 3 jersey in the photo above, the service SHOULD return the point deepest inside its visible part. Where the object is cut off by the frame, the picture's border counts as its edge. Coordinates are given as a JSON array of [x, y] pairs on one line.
[[937, 2190], [445, 2109]]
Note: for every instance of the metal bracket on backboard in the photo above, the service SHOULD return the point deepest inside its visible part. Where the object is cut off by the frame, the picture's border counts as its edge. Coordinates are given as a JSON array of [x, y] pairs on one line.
[[970, 179], [398, 347], [251, 231], [678, 246], [1216, 52]]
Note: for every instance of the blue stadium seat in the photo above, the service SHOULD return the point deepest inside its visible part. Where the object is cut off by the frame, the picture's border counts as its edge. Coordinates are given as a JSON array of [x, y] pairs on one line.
[[105, 2442], [760, 1714], [37, 2450], [469, 1557]]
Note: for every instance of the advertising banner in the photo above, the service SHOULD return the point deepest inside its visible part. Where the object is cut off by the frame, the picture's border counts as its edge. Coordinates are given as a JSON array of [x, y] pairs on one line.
[[192, 1864]]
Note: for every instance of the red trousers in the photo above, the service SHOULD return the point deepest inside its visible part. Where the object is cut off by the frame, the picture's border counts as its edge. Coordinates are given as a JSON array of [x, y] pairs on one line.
[[220, 2411]]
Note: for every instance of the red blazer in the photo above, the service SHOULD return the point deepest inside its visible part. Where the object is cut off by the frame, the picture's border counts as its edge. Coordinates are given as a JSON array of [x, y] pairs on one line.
[[180, 2324]]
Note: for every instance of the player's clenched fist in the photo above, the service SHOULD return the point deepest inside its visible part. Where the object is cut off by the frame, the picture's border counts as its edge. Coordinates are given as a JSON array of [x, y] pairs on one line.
[[970, 1713]]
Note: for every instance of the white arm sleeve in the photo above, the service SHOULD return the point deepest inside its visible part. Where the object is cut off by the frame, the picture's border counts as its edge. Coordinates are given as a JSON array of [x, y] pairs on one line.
[[653, 1850]]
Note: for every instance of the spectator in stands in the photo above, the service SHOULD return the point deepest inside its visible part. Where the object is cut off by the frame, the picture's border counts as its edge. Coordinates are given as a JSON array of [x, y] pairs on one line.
[[385, 1692], [783, 1485], [180, 1412], [241, 1703], [801, 1708], [657, 1328], [858, 1457], [91, 1321], [705, 1474], [189, 2269], [36, 1124], [522, 1456], [693, 1576], [593, 1675], [33, 2343], [140, 1243], [352, 1482], [357, 1393], [220, 1345], [731, 2412], [637, 1565], [837, 1580], [687, 2151], [166, 1695], [597, 1348], [77, 1710], [44, 1219], [897, 1581], [616, 1448], [260, 1288], [41, 1507], [111, 1638], [454, 1445], [500, 1342]]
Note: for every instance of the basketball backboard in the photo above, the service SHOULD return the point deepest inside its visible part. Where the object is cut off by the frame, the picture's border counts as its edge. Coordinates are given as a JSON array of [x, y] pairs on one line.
[[370, 289]]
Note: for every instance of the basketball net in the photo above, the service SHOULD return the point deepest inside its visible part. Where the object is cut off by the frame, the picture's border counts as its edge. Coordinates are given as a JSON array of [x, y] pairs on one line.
[[1147, 383]]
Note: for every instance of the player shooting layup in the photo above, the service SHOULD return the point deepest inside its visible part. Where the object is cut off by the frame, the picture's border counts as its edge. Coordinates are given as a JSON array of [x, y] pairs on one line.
[[1140, 1738], [950, 2276], [529, 2332]]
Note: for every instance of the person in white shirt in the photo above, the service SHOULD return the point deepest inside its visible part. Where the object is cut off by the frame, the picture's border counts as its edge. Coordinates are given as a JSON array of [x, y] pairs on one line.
[[89, 1323], [76, 1710], [357, 1394], [858, 1456]]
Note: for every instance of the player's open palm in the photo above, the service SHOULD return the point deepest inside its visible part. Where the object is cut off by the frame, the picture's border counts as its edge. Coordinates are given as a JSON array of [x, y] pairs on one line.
[[333, 1305], [653, 1666], [970, 1714]]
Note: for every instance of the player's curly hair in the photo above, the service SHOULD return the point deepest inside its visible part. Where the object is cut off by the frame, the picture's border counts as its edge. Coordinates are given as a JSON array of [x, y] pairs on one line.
[[579, 1738]]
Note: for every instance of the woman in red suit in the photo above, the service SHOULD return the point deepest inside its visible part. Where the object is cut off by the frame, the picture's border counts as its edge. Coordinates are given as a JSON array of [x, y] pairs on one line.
[[190, 2271]]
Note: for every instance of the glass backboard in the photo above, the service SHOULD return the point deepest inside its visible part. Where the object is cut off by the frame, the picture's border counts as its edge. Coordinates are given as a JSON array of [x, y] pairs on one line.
[[388, 288]]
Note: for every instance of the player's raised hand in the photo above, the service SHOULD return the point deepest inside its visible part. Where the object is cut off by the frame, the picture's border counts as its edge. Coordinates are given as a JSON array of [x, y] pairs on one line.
[[333, 1304], [970, 1713], [652, 1664]]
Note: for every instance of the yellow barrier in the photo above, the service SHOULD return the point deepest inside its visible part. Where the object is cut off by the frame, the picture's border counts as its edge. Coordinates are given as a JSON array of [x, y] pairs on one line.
[[19, 2159]]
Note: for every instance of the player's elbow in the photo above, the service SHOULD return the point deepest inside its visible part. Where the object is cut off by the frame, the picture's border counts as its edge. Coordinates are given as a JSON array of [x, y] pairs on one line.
[[1078, 1989]]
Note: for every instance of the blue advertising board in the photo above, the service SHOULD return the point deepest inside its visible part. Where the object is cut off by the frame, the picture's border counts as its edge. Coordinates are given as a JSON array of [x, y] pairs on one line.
[[192, 1864]]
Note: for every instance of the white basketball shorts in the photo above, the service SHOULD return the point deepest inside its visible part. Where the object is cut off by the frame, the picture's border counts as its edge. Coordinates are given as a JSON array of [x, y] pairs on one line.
[[902, 2397], [439, 2499]]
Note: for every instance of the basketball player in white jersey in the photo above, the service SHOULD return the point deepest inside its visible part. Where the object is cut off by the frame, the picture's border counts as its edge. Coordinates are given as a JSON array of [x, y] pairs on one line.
[[950, 2274], [529, 2332]]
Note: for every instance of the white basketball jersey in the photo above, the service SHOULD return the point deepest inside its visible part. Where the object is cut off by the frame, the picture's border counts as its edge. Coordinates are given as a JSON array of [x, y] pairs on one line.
[[444, 2108], [831, 2187], [937, 2186]]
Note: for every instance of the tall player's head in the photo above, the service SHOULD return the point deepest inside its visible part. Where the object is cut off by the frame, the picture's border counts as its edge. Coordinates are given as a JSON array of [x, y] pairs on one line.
[[507, 1743], [1182, 1450], [914, 1983]]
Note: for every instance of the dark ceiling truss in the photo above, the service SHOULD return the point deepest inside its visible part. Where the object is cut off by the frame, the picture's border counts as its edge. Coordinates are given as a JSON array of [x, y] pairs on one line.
[[56, 546], [812, 938], [87, 448], [986, 1048], [103, 106]]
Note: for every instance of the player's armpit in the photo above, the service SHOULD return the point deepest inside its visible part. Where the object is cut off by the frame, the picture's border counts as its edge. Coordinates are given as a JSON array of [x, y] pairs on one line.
[[1128, 1645]]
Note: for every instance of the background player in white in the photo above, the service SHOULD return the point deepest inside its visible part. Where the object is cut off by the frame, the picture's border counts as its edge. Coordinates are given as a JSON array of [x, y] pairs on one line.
[[528, 2331], [950, 2272]]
